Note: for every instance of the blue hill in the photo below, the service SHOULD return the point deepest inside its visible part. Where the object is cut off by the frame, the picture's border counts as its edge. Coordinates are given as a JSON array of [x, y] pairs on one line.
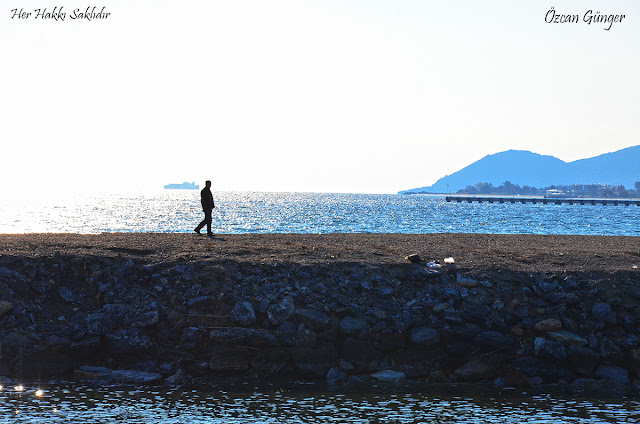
[[527, 168]]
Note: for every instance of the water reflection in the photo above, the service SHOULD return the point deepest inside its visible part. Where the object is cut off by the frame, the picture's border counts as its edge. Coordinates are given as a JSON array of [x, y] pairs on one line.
[[126, 405], [241, 212]]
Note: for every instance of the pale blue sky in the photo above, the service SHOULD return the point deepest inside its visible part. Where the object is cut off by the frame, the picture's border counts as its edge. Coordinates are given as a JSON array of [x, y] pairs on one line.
[[329, 96]]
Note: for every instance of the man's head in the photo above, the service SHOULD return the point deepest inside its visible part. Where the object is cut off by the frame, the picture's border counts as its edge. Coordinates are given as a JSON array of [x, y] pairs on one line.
[[208, 184]]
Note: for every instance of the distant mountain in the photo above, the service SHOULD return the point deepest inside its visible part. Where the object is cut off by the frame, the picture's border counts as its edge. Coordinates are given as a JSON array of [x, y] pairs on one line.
[[526, 168]]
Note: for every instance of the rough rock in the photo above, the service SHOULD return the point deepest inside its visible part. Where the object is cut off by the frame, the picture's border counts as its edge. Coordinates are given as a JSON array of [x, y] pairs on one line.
[[85, 348], [491, 341], [567, 338], [336, 376], [280, 312], [634, 360], [542, 286], [118, 376], [313, 319], [270, 362], [89, 372], [191, 335], [243, 313], [127, 341], [389, 342], [314, 361], [610, 372], [610, 350], [361, 354], [474, 311], [534, 368], [517, 379], [424, 336], [135, 377], [13, 344], [353, 327], [550, 350], [5, 308], [146, 319], [460, 332], [286, 333], [413, 258], [67, 294], [467, 282], [549, 324], [5, 272], [100, 323], [437, 376], [229, 358], [176, 379], [199, 301], [244, 336], [389, 376], [582, 360], [604, 313], [482, 367], [305, 337]]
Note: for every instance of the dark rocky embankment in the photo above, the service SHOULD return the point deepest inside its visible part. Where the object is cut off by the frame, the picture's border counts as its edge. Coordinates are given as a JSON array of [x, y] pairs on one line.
[[171, 308]]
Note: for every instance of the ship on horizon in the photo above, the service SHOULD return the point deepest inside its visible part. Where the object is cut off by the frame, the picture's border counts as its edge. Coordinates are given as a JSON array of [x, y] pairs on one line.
[[183, 186]]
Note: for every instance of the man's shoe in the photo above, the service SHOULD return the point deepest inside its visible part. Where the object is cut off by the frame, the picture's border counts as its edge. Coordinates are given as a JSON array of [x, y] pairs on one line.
[[197, 231], [210, 234]]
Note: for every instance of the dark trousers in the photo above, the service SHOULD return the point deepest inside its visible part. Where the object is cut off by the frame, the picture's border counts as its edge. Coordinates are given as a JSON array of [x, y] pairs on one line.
[[207, 221]]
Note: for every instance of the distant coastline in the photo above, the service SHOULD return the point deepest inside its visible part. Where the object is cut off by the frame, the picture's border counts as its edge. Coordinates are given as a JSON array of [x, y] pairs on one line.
[[520, 172], [578, 191]]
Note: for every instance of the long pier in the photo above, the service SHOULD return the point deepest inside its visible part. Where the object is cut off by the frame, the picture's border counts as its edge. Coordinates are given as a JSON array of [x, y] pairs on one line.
[[544, 200]]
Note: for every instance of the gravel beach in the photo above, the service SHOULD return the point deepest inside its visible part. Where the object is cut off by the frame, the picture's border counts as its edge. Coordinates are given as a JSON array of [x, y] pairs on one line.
[[472, 252]]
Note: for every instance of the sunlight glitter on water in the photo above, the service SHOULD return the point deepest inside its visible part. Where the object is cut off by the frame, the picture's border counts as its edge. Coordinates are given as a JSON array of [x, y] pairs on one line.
[[88, 405], [245, 212]]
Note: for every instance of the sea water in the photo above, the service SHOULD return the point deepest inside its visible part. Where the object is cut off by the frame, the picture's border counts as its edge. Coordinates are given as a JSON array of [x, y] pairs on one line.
[[241, 212], [304, 405], [177, 211]]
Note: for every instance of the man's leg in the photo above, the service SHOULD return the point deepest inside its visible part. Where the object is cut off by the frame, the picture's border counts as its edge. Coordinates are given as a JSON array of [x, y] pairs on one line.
[[208, 218], [202, 224]]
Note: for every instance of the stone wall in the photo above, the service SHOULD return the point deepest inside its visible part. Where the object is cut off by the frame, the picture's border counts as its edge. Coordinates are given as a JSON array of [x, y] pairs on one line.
[[125, 320]]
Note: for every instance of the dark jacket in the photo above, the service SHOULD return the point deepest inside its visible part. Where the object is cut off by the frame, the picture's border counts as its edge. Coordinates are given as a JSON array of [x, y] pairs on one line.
[[206, 198]]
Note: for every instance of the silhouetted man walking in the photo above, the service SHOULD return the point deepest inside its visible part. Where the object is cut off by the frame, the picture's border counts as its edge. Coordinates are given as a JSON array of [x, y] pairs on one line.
[[206, 198]]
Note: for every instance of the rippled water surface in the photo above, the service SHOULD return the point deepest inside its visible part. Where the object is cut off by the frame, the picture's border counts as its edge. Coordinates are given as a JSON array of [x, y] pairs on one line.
[[244, 212], [92, 405]]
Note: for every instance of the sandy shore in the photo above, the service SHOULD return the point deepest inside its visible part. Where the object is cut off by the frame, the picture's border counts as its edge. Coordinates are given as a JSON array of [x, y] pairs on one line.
[[472, 252]]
